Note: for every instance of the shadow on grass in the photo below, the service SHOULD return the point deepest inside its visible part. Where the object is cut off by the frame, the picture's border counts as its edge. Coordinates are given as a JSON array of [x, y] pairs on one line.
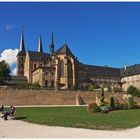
[[20, 118]]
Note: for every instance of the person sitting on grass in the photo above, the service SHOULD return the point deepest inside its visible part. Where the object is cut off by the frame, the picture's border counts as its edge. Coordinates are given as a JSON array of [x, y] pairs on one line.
[[10, 113], [1, 108]]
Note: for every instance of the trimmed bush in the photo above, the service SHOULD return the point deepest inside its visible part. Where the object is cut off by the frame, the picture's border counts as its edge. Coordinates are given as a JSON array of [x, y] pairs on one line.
[[130, 102], [136, 106], [101, 101], [91, 106], [133, 91], [96, 109], [112, 103], [90, 88], [104, 109], [117, 89], [34, 86], [102, 93], [123, 107]]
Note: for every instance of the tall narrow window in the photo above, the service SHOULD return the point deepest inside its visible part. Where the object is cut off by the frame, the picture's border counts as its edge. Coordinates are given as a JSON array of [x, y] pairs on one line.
[[61, 68], [70, 72], [52, 84], [46, 83]]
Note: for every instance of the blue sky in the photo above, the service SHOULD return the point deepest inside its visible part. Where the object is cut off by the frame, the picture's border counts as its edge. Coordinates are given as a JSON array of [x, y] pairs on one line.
[[97, 33]]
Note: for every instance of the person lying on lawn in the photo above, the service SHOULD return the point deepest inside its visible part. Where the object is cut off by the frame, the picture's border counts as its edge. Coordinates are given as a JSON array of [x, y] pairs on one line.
[[11, 112]]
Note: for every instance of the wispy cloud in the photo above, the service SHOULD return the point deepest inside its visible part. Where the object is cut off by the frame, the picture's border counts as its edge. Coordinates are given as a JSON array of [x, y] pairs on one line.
[[9, 27]]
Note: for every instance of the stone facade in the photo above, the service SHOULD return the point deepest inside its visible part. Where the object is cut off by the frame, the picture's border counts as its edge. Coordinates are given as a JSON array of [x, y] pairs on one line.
[[61, 70]]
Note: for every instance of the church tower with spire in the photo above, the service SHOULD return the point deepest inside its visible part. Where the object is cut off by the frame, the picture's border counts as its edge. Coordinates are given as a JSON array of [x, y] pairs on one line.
[[21, 57], [52, 45], [40, 48]]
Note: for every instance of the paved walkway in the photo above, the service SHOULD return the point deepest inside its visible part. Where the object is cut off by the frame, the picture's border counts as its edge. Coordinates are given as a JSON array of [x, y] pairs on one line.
[[20, 129]]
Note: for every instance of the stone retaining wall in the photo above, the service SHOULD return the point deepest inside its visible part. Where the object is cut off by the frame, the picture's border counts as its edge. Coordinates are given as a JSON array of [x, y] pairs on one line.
[[27, 97], [44, 97]]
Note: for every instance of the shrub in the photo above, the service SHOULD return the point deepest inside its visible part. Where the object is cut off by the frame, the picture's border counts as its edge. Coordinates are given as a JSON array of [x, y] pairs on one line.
[[96, 109], [73, 88], [91, 106], [116, 89], [112, 103], [90, 88], [138, 94], [130, 102], [104, 109], [34, 86], [102, 93], [101, 101], [133, 91], [123, 106], [136, 106]]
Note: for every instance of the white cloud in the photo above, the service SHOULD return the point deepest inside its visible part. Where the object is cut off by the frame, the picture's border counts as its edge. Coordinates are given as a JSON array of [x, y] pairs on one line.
[[9, 27], [9, 56]]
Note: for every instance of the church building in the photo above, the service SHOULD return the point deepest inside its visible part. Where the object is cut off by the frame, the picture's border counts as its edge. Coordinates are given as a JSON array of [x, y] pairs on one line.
[[60, 69]]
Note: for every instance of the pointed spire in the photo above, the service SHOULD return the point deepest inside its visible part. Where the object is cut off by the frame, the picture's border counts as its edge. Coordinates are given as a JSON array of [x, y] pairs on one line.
[[22, 46], [52, 44], [40, 49]]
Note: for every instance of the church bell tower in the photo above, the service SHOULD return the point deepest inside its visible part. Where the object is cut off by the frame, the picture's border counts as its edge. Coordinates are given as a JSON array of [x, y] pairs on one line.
[[21, 57]]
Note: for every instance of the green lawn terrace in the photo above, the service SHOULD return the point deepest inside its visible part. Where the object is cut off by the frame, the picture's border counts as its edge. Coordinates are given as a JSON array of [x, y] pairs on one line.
[[79, 117]]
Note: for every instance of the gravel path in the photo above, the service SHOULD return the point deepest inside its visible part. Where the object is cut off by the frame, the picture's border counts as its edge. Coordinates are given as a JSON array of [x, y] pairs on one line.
[[20, 129]]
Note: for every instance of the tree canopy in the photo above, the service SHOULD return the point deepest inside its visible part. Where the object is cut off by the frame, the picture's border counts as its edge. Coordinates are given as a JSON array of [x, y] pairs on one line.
[[4, 72]]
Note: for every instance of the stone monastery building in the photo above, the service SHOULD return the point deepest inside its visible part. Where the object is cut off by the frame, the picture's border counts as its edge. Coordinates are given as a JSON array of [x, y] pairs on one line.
[[60, 69]]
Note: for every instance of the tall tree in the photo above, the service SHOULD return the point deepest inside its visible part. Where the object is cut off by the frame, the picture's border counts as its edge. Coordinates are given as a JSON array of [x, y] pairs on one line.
[[4, 71]]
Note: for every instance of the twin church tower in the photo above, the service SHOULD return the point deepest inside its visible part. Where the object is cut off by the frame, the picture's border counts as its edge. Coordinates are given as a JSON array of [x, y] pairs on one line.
[[50, 70]]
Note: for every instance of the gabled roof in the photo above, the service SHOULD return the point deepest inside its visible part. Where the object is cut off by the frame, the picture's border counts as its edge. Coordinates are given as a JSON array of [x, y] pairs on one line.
[[38, 56], [101, 70], [21, 53], [64, 50], [130, 70]]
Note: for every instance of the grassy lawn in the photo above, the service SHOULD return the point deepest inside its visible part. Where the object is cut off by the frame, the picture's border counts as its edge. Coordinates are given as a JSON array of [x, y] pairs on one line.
[[79, 117]]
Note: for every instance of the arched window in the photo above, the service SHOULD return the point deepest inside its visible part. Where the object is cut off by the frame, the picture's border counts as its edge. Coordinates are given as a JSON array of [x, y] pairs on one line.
[[52, 84], [46, 83], [70, 72]]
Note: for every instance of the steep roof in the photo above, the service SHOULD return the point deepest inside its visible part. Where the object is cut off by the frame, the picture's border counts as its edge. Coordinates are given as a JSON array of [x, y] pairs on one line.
[[130, 70], [38, 56], [21, 53], [101, 70], [64, 50]]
